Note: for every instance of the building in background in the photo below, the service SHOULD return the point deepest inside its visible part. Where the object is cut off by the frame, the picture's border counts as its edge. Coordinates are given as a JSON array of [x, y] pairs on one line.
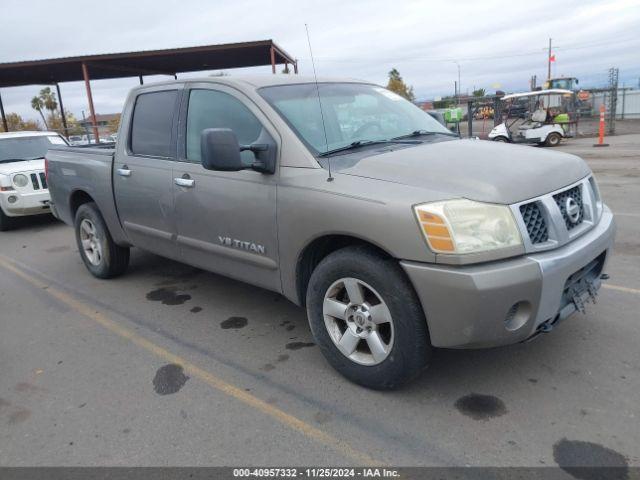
[[107, 123]]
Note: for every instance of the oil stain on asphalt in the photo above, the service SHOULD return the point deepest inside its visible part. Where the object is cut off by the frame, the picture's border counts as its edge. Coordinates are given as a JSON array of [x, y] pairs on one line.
[[169, 379], [590, 461], [196, 309], [481, 407], [298, 345], [168, 296], [234, 322]]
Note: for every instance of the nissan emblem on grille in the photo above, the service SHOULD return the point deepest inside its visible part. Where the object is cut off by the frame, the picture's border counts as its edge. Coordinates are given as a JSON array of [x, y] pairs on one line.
[[570, 204], [573, 210]]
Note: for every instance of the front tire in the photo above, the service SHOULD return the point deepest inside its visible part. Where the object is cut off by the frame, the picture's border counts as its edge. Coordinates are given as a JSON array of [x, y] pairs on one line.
[[367, 319], [100, 254], [553, 139], [501, 139]]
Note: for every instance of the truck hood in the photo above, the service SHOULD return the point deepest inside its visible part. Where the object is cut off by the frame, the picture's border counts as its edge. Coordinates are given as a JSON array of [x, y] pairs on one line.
[[24, 166], [475, 169]]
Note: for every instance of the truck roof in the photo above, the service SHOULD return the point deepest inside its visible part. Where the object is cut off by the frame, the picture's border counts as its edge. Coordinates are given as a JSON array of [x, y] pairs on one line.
[[27, 133], [258, 81]]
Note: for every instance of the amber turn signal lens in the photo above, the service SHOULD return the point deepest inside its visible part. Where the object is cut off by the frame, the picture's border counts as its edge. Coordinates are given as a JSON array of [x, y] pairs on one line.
[[436, 232]]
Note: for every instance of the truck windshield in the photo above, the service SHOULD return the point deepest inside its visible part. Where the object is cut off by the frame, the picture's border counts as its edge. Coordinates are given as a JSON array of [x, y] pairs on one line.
[[26, 148], [353, 113]]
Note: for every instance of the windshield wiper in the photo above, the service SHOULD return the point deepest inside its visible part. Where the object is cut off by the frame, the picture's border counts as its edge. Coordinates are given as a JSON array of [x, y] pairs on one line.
[[364, 143], [421, 133]]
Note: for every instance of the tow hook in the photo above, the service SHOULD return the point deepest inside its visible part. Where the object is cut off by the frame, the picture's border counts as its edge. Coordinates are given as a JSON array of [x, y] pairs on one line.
[[545, 327], [604, 276]]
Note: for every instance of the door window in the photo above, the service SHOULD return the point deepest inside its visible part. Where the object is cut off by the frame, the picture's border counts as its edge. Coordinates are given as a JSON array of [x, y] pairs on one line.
[[214, 109], [152, 124]]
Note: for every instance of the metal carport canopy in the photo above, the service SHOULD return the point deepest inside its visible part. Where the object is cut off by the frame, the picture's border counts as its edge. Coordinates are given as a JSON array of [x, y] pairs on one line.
[[136, 64]]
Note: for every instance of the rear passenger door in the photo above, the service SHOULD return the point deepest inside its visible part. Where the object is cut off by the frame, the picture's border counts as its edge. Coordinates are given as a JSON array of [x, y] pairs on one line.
[[226, 221], [142, 174]]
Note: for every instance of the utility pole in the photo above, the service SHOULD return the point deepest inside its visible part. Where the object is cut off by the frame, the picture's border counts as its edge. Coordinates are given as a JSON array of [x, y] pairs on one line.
[[549, 62], [613, 98], [458, 86]]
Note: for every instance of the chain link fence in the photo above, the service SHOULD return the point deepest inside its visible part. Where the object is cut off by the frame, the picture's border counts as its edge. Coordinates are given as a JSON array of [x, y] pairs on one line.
[[622, 113]]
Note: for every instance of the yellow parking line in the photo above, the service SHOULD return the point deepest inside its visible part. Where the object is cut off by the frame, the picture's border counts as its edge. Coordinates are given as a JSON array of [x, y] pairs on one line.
[[621, 289], [281, 416]]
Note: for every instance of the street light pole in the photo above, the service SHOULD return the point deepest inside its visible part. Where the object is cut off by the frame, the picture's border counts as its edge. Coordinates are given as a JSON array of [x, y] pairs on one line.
[[459, 86]]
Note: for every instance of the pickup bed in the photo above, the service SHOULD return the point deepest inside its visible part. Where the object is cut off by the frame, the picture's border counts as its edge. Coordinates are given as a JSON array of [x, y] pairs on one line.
[[393, 233]]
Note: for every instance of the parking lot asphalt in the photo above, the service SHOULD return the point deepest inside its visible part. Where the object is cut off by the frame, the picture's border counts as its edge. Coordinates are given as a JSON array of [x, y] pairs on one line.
[[170, 365]]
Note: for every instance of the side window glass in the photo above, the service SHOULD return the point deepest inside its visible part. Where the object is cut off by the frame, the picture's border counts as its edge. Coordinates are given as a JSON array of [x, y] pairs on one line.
[[213, 109], [152, 123]]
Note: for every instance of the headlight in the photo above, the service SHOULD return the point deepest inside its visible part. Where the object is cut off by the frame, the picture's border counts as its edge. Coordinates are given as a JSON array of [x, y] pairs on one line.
[[464, 226], [20, 180]]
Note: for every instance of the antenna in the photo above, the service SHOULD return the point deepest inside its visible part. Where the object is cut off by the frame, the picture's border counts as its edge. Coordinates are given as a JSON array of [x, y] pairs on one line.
[[324, 128]]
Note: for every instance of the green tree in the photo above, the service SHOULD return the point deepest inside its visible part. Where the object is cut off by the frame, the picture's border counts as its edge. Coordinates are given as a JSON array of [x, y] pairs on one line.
[[49, 100], [480, 92], [396, 84], [73, 126], [446, 102], [16, 123], [45, 100], [114, 124], [38, 105]]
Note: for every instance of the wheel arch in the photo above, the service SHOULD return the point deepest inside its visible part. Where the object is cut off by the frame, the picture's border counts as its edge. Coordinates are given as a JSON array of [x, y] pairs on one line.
[[78, 198], [319, 248]]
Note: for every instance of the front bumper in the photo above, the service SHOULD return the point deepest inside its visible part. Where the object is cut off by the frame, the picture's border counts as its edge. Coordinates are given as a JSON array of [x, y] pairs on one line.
[[25, 203], [508, 301]]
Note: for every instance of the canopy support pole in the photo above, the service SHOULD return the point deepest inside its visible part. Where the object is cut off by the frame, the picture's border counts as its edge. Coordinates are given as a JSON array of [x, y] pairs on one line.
[[87, 84], [272, 51], [4, 118], [64, 118]]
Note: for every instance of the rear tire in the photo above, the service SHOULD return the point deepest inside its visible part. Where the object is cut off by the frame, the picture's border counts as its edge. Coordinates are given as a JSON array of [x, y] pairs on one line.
[[100, 254], [388, 314], [6, 223], [553, 139]]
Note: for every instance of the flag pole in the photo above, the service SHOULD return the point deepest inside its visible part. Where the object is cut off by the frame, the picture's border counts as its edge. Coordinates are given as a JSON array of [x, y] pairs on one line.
[[549, 62]]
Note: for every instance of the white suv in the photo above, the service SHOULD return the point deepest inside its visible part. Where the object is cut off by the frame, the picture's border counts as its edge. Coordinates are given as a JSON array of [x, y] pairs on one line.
[[23, 185]]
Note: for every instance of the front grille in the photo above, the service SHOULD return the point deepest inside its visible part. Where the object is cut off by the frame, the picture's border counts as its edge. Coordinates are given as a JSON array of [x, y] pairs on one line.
[[535, 222], [561, 200], [43, 180], [34, 181]]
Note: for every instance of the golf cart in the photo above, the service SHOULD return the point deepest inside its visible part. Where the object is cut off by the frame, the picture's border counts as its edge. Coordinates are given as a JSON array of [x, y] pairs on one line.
[[545, 123]]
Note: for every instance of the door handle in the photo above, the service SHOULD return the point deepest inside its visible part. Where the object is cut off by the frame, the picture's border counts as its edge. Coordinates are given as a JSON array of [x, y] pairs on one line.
[[124, 171], [185, 182]]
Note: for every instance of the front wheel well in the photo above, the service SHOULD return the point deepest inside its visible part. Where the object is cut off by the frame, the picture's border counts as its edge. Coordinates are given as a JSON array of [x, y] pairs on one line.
[[317, 250], [78, 198]]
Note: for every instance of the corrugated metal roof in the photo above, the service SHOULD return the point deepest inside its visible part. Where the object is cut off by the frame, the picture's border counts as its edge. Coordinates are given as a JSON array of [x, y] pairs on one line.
[[146, 62]]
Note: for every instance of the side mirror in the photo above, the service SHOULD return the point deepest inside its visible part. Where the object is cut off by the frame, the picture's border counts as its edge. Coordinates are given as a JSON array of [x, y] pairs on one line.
[[220, 150]]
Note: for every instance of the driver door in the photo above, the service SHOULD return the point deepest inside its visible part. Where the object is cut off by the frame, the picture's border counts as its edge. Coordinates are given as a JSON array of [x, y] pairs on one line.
[[225, 221]]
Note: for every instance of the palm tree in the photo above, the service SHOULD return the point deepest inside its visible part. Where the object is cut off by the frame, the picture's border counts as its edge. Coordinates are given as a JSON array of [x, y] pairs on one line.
[[38, 104], [49, 100]]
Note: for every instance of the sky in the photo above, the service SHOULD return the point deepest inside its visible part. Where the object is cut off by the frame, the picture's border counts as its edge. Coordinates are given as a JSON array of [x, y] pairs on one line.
[[496, 44]]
